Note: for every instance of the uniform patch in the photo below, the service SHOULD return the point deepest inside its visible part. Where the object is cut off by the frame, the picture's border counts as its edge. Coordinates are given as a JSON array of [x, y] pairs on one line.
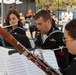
[[61, 53], [53, 40]]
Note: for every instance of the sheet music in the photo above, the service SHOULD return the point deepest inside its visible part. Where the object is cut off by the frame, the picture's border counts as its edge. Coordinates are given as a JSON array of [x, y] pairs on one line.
[[48, 56], [15, 65], [32, 69], [19, 65], [3, 55]]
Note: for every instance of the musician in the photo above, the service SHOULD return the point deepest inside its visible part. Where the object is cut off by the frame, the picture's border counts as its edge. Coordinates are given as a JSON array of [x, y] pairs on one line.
[[17, 30], [70, 40], [13, 18], [49, 40]]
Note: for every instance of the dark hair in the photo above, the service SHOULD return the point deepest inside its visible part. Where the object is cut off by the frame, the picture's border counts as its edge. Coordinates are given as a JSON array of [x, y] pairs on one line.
[[16, 14], [44, 14], [71, 28], [10, 7]]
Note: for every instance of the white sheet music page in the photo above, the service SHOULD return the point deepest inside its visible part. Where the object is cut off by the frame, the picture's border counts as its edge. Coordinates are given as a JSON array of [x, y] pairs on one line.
[[19, 65], [3, 55], [32, 69], [15, 65], [50, 58]]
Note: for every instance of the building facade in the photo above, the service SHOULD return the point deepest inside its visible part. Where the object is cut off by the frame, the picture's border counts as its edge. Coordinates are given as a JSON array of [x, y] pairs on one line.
[[24, 7]]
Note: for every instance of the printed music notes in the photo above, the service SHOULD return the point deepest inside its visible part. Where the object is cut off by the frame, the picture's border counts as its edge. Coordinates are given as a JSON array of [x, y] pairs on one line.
[[15, 65], [32, 68], [48, 56], [3, 55], [19, 65]]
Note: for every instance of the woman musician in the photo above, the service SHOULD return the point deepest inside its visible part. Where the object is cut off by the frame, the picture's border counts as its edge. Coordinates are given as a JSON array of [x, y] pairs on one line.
[[13, 18], [70, 40], [14, 26]]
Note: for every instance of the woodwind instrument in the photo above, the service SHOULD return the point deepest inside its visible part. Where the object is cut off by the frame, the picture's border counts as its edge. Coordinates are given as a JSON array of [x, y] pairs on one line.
[[39, 62], [37, 33], [9, 25]]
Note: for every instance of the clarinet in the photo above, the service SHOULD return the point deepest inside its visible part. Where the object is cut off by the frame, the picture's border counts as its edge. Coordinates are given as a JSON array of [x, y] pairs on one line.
[[39, 62]]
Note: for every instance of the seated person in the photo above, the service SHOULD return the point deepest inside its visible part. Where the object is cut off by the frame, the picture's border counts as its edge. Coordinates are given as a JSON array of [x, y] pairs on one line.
[[19, 30], [53, 38], [70, 40], [21, 37], [13, 18], [22, 18]]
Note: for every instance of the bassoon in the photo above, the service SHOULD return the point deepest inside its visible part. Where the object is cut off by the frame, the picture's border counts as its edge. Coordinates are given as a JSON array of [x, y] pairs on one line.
[[36, 60]]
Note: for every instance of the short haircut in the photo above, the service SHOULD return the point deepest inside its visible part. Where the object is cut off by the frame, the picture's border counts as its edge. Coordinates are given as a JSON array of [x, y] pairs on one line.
[[44, 14]]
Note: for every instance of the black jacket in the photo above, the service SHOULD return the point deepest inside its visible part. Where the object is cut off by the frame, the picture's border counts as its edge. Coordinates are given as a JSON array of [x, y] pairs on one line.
[[71, 69], [52, 42], [19, 35]]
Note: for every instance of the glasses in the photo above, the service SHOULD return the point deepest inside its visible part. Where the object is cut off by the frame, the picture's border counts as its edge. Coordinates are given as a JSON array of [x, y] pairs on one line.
[[67, 39]]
